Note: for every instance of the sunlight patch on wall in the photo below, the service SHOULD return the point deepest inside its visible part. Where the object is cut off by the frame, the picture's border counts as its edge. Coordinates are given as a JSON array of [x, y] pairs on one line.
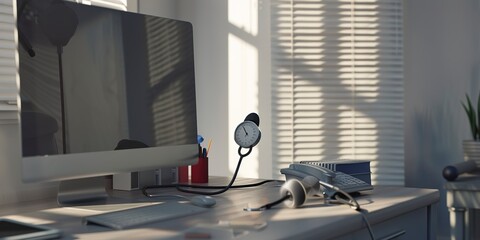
[[242, 97], [244, 15]]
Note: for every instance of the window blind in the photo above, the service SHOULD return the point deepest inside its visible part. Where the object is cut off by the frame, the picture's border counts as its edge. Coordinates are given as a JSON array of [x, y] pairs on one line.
[[337, 80], [114, 4], [8, 70], [8, 65]]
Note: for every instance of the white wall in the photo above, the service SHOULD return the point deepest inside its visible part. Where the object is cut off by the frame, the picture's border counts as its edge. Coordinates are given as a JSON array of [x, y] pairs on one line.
[[442, 63], [232, 62]]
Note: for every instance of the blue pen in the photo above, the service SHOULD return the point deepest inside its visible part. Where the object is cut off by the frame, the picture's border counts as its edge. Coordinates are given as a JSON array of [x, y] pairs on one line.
[[199, 139], [204, 154]]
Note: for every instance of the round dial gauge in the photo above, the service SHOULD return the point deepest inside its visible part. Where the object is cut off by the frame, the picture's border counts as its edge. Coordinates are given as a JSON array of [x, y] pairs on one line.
[[247, 134]]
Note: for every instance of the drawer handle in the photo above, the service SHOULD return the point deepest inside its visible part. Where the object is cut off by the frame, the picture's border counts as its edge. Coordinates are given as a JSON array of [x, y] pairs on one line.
[[394, 235]]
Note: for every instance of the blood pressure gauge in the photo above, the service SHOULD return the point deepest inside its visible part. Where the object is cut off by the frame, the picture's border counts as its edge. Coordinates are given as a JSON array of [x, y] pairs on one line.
[[247, 134]]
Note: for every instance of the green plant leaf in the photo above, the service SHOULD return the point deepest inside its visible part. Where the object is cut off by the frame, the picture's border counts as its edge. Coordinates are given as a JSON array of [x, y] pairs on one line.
[[471, 117], [473, 120], [474, 125], [478, 119], [467, 111]]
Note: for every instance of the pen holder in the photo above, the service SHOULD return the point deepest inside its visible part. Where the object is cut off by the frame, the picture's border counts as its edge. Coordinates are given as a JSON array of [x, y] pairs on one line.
[[199, 171], [183, 174]]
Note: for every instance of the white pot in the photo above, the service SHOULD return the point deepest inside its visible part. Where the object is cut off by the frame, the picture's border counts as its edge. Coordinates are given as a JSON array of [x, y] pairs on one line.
[[471, 151]]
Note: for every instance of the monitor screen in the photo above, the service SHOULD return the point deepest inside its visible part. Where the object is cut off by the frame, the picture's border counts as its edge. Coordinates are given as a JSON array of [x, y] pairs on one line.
[[103, 91]]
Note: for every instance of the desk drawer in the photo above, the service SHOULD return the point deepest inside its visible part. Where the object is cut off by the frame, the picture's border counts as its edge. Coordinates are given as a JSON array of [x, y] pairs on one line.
[[412, 225]]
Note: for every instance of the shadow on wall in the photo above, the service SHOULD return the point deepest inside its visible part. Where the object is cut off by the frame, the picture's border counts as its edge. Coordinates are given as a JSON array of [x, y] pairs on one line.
[[432, 144]]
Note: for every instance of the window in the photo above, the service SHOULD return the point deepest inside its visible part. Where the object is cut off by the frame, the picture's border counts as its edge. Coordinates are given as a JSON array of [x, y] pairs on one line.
[[337, 75], [8, 69], [115, 4]]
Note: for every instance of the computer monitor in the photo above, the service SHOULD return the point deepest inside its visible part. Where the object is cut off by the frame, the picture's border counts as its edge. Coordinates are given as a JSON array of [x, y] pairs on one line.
[[103, 91]]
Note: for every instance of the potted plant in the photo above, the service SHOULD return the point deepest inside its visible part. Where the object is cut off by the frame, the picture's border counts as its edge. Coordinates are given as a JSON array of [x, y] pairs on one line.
[[471, 148]]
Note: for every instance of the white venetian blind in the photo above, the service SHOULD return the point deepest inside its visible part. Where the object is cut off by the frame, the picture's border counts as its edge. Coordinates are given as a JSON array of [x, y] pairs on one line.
[[8, 70], [8, 65], [114, 4], [337, 79]]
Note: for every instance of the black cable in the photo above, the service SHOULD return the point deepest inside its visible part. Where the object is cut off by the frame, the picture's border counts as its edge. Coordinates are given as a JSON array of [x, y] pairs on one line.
[[352, 202], [229, 184], [369, 228], [269, 205], [210, 187], [180, 187]]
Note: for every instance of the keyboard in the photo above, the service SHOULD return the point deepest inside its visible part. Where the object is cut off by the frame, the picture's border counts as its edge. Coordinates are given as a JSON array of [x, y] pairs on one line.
[[137, 216]]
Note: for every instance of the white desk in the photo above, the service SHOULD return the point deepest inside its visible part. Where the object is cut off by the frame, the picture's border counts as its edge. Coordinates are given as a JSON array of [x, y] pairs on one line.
[[392, 211]]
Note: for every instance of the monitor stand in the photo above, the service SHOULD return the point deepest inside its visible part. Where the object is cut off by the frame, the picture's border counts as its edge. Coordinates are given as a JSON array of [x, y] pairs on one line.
[[82, 191], [95, 190], [93, 194]]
